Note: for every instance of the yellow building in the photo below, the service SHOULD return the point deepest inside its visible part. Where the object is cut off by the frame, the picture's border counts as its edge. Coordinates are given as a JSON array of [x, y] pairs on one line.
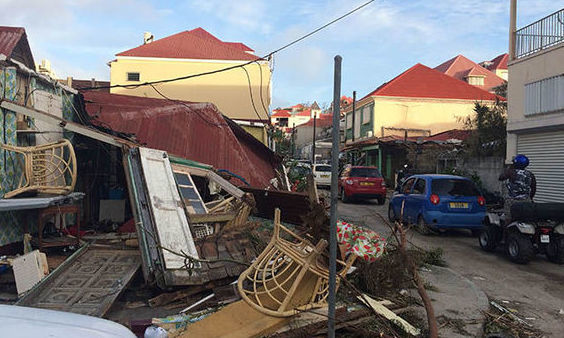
[[241, 93], [419, 102]]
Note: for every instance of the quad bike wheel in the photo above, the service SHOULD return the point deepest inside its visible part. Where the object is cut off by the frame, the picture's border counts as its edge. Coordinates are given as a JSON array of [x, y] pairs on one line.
[[555, 250], [489, 238], [519, 248]]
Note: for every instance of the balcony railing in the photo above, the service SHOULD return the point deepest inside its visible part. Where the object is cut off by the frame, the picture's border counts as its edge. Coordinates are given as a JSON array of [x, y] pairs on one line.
[[540, 35]]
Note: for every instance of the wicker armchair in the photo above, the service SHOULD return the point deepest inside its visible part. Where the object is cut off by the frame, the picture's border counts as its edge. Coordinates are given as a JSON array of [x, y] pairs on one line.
[[289, 276], [48, 168]]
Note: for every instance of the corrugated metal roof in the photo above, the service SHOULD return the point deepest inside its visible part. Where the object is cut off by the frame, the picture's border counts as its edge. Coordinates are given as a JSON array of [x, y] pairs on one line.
[[196, 131], [9, 38]]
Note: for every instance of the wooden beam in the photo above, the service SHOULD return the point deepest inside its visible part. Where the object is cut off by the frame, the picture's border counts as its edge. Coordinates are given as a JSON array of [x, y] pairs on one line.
[[67, 125], [211, 218]]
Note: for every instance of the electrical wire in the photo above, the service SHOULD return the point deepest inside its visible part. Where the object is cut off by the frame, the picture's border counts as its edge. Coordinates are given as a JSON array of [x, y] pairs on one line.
[[261, 99], [251, 94], [265, 58]]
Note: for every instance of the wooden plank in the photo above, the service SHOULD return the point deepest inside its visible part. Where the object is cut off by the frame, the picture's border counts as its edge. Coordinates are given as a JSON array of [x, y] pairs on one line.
[[211, 218], [167, 208], [225, 185], [388, 314], [238, 319]]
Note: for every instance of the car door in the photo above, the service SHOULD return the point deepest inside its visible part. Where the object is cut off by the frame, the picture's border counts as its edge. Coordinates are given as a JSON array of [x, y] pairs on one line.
[[416, 199], [399, 199]]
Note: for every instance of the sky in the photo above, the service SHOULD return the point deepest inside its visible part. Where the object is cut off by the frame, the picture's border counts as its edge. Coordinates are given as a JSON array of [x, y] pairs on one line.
[[377, 43]]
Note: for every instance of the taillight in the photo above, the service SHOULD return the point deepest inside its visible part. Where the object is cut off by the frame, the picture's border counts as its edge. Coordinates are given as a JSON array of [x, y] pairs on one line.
[[435, 199], [545, 230], [481, 201], [384, 184]]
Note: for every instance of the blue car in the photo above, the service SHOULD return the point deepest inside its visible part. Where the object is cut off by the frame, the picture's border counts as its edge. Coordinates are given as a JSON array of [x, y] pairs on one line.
[[439, 202]]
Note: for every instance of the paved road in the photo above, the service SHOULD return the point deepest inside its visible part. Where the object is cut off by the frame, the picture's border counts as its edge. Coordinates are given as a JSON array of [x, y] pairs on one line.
[[535, 290]]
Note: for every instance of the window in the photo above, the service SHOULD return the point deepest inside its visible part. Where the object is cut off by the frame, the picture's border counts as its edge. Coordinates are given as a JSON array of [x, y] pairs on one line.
[[476, 80], [419, 187], [189, 193], [365, 172], [544, 96], [406, 189], [349, 120], [366, 112], [453, 187], [322, 168], [133, 77]]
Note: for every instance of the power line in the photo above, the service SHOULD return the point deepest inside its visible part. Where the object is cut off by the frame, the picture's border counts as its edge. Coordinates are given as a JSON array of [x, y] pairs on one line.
[[251, 94], [266, 57]]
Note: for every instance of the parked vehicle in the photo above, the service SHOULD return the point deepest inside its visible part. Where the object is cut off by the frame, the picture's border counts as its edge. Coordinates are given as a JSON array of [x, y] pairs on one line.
[[19, 321], [534, 228], [322, 175], [356, 182], [439, 202]]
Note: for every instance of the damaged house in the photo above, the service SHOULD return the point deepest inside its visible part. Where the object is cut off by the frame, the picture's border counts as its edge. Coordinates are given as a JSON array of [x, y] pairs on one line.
[[164, 172]]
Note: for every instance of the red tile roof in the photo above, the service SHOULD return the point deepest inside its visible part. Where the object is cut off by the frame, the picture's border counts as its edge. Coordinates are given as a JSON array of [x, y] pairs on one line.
[[324, 120], [459, 67], [196, 131], [305, 112], [453, 134], [193, 44], [424, 82], [281, 113], [499, 62]]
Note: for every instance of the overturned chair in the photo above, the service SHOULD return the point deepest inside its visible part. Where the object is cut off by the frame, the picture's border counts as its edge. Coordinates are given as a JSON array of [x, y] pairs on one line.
[[47, 169], [290, 275]]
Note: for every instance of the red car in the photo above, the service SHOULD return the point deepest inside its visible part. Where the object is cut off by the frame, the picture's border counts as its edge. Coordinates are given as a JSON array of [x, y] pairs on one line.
[[362, 182]]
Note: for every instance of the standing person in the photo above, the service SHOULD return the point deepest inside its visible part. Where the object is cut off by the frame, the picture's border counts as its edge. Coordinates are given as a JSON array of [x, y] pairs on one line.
[[521, 184]]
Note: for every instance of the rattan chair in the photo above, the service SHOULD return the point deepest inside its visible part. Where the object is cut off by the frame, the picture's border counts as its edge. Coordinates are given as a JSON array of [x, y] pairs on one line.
[[47, 169], [289, 276]]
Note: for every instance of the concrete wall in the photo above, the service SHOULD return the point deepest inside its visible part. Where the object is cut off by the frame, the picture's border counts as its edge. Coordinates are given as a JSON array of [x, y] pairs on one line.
[[436, 115], [488, 168], [228, 90], [539, 66]]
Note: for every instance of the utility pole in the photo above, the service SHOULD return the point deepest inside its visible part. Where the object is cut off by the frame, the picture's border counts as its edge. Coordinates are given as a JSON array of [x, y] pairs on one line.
[[353, 113], [313, 144], [512, 28], [334, 179], [293, 142]]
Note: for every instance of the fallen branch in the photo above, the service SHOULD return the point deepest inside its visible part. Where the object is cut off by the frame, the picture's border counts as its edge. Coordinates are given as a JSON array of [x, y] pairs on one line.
[[388, 314]]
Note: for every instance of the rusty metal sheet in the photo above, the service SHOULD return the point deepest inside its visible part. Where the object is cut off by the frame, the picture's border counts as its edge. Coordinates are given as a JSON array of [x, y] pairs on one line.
[[87, 283]]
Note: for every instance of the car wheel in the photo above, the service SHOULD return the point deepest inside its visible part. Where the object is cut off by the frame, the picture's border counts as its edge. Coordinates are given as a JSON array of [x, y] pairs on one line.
[[488, 238], [381, 200], [344, 197], [391, 214], [555, 250], [519, 248], [422, 227]]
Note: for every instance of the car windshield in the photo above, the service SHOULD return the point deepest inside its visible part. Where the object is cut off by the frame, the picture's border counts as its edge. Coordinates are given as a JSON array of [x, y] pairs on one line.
[[301, 170], [365, 172], [453, 187], [323, 168]]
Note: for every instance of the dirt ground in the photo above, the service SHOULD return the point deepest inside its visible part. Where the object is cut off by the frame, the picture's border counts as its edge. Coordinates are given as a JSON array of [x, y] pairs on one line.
[[534, 290]]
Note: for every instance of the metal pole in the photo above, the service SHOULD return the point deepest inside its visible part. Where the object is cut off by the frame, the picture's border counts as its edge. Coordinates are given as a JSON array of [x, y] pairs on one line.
[[512, 28], [353, 114], [292, 140], [313, 144], [334, 173]]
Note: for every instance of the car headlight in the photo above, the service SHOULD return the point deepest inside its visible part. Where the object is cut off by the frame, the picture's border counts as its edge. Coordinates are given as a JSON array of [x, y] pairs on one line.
[[349, 182], [559, 229], [526, 228]]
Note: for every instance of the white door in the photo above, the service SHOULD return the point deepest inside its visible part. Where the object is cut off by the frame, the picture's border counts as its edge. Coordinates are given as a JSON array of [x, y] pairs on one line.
[[167, 207], [546, 155]]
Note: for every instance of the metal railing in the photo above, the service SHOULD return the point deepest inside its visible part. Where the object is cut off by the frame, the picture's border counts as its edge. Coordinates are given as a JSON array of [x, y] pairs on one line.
[[545, 33]]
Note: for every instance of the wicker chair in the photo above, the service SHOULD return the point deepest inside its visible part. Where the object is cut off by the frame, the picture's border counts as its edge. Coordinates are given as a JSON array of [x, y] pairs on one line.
[[48, 168], [289, 276]]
